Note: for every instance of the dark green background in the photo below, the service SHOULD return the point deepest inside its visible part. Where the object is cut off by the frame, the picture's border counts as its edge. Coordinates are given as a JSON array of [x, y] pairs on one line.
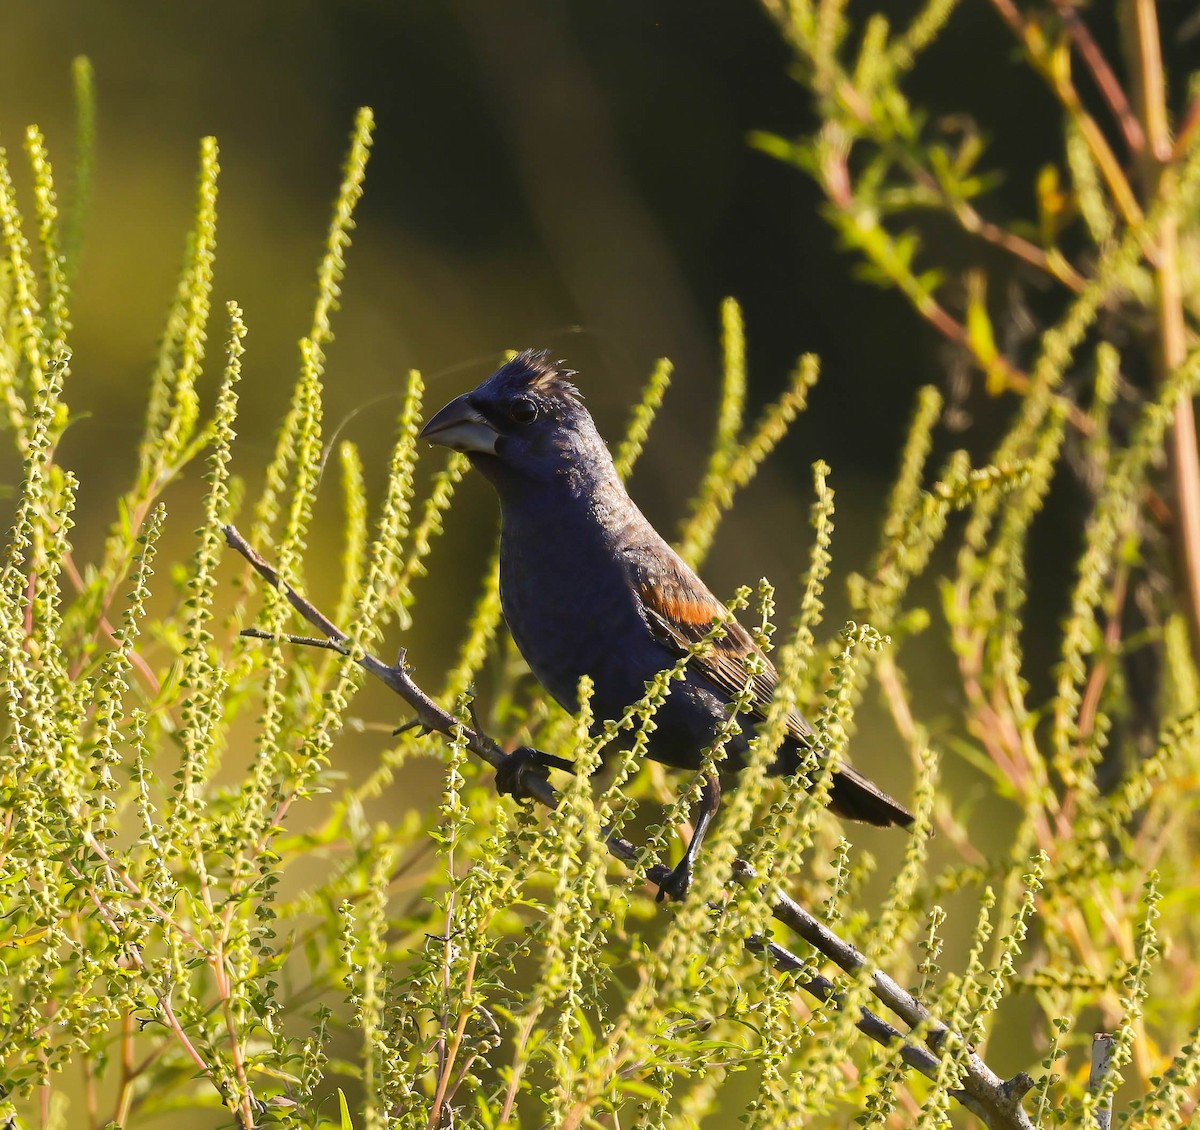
[[569, 175]]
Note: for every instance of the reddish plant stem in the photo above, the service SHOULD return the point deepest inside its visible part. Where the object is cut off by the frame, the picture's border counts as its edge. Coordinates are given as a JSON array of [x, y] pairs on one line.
[[164, 1001], [451, 1054], [1159, 178], [1108, 83]]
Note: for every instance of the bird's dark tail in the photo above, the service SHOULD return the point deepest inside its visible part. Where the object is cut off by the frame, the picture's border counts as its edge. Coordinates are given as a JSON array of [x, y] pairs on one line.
[[854, 796]]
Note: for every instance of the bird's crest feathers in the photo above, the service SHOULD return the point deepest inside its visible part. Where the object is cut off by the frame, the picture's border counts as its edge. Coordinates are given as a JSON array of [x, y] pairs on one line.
[[532, 370]]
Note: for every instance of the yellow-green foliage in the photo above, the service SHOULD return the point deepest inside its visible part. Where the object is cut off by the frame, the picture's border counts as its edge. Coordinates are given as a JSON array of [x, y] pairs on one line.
[[477, 963]]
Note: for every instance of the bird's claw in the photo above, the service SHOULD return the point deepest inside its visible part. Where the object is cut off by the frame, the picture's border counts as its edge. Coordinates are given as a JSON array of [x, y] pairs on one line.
[[672, 883], [524, 764]]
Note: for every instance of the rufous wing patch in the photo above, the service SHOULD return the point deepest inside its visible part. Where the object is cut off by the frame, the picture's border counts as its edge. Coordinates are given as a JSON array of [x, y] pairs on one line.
[[688, 618], [680, 620]]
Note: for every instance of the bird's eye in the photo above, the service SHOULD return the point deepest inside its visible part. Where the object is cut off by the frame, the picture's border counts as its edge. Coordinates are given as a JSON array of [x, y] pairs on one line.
[[523, 411]]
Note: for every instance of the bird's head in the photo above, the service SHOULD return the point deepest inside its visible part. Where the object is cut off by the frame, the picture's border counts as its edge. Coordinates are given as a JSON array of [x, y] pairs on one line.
[[525, 422]]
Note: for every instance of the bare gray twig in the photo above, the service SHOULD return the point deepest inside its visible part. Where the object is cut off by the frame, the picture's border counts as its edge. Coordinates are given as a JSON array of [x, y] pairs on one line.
[[997, 1101]]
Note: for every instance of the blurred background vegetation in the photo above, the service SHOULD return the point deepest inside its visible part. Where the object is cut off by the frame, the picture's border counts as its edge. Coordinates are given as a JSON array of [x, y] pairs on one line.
[[576, 176], [538, 167]]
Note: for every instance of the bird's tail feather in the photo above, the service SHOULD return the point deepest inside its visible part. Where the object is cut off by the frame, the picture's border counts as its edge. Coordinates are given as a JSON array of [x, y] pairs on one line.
[[857, 798]]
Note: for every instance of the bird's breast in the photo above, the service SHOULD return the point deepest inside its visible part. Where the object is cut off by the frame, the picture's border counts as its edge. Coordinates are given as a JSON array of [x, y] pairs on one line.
[[572, 612]]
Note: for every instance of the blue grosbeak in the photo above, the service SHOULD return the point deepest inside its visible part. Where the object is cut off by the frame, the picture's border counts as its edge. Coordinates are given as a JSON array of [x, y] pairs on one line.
[[588, 587]]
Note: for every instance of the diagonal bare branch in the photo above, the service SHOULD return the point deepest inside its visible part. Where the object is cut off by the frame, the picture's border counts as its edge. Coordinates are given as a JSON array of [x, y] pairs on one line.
[[995, 1100]]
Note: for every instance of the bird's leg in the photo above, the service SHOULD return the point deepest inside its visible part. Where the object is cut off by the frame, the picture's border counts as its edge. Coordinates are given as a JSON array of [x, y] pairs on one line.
[[679, 878], [524, 762]]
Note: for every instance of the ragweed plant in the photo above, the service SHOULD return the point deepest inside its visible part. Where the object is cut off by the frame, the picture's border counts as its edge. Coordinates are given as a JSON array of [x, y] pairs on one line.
[[472, 961], [1113, 239]]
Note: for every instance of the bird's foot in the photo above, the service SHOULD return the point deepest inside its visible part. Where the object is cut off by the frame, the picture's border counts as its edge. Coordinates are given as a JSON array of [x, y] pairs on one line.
[[672, 883], [525, 763]]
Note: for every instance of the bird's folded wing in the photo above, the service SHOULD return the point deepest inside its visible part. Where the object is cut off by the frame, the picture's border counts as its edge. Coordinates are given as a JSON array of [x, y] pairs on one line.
[[680, 612]]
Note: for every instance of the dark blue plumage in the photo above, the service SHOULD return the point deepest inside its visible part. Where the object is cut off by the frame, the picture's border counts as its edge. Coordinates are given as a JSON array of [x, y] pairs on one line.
[[589, 587]]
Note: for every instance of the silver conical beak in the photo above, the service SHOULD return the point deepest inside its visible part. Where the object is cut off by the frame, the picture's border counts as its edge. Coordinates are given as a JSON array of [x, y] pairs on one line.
[[461, 428]]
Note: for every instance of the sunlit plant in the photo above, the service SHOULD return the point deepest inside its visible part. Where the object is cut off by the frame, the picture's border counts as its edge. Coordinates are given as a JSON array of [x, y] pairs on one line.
[[489, 963]]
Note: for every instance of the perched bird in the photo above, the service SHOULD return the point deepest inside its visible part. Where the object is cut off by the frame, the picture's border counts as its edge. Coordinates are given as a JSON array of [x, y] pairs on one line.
[[589, 587]]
